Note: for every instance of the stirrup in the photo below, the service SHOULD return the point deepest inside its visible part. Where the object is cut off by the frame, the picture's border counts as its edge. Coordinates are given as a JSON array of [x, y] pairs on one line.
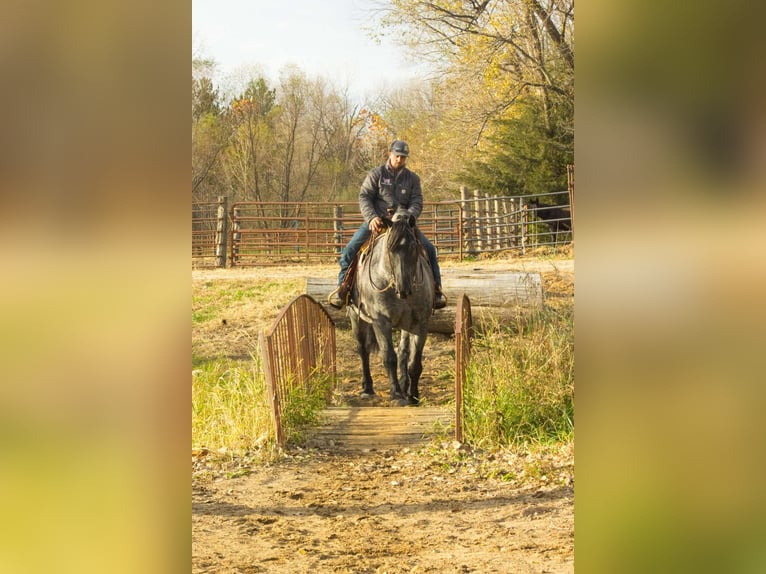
[[343, 300]]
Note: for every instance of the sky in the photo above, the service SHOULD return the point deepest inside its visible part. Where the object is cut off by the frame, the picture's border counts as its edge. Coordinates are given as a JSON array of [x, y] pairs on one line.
[[324, 38]]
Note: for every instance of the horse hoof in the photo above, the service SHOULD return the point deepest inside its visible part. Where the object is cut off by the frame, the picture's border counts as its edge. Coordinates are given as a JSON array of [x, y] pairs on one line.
[[402, 402], [413, 401], [366, 395]]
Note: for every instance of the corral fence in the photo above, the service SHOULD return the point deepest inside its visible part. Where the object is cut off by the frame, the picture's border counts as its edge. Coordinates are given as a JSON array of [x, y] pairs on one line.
[[463, 335], [298, 356], [276, 233]]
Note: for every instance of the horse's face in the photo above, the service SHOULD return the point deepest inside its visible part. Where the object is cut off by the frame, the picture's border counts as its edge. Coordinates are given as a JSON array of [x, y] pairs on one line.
[[403, 249]]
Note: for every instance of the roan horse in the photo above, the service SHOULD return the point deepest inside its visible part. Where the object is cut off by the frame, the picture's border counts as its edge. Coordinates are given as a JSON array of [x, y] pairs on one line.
[[394, 289]]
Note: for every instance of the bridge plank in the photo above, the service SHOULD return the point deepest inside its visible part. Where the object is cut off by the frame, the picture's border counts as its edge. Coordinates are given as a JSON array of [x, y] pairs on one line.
[[379, 428]]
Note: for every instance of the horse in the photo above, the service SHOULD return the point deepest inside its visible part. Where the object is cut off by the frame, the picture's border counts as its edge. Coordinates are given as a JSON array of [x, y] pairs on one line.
[[394, 288], [554, 217]]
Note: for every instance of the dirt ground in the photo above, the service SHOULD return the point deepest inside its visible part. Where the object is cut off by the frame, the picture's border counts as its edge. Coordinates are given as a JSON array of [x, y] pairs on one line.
[[443, 507]]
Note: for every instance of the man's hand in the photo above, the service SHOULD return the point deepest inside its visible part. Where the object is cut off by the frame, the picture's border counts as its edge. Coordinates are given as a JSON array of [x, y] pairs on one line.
[[376, 224]]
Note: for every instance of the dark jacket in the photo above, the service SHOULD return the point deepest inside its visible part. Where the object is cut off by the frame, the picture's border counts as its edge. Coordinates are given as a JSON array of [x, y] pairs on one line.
[[383, 190]]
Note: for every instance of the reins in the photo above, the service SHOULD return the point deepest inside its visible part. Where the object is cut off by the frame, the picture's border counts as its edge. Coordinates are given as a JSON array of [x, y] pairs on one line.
[[369, 266], [391, 282]]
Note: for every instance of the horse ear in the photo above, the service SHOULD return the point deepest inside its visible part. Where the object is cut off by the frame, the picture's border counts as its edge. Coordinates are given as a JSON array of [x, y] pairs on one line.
[[411, 220]]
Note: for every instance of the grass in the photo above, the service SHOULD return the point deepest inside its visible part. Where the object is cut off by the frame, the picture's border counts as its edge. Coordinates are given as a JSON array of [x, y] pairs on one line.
[[213, 298], [229, 406], [231, 413], [302, 407], [520, 382]]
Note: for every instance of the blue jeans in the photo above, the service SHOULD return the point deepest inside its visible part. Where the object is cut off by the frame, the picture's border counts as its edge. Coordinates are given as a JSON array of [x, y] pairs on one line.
[[363, 234]]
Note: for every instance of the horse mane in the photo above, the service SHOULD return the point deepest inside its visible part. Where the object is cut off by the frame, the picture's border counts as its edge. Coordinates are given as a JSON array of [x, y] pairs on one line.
[[400, 228]]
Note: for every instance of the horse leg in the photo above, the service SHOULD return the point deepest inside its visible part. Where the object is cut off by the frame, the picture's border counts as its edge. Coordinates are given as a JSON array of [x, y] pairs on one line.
[[416, 368], [386, 345], [367, 390], [404, 359], [364, 344]]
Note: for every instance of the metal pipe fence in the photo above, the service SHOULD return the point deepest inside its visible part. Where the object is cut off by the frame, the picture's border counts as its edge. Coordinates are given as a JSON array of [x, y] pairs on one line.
[[204, 227], [278, 233]]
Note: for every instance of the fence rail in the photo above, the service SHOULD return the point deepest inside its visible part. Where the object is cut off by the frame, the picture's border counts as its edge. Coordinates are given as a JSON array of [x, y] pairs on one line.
[[297, 348], [272, 233]]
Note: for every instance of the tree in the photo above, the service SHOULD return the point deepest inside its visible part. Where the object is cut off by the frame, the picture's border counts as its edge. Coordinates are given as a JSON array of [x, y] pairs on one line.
[[248, 158], [506, 65], [209, 133], [523, 155]]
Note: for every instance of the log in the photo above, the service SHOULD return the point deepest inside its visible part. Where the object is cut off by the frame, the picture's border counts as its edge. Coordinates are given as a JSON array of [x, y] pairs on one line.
[[503, 289], [495, 297]]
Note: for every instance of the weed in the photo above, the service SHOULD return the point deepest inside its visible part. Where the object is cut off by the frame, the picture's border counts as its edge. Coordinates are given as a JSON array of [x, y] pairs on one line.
[[302, 405], [520, 384], [229, 408]]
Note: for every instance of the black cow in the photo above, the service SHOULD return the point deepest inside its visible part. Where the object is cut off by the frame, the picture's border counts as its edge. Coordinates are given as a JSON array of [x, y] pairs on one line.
[[555, 218]]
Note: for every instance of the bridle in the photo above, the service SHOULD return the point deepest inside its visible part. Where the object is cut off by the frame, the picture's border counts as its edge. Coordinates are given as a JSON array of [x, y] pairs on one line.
[[415, 281], [388, 261]]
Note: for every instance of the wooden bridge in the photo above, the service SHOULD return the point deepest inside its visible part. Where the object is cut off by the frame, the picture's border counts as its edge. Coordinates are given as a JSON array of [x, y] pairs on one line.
[[380, 428], [301, 344]]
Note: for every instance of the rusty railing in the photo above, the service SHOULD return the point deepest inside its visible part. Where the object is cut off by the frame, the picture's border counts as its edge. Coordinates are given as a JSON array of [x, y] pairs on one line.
[[206, 233], [297, 348], [463, 335]]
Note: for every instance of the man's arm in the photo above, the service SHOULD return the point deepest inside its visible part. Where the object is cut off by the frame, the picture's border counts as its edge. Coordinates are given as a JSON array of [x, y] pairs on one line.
[[367, 195], [416, 197]]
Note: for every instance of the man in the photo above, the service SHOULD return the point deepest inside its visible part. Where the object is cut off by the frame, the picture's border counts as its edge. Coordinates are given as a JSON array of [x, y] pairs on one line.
[[385, 189]]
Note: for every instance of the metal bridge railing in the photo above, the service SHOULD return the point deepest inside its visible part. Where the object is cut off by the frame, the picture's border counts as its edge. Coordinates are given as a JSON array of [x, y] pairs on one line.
[[463, 335], [298, 349]]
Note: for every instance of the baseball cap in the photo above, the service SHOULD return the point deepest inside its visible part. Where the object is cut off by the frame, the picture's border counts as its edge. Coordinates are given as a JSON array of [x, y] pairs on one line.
[[400, 148]]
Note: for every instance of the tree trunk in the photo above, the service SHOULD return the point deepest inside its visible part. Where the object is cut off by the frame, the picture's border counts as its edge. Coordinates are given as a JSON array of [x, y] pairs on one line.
[[495, 297]]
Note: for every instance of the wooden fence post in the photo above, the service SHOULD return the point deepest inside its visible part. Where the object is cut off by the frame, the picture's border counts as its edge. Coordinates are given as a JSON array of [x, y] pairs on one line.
[[466, 224], [523, 226], [498, 235], [221, 232], [492, 235], [516, 222], [570, 187], [507, 229], [478, 223]]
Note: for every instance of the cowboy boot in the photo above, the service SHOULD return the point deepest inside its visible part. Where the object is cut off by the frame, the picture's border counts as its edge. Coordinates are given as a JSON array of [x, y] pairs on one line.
[[440, 301], [339, 297]]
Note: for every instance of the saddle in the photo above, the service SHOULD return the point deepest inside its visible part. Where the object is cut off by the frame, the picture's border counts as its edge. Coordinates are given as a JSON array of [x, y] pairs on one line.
[[348, 281], [347, 285]]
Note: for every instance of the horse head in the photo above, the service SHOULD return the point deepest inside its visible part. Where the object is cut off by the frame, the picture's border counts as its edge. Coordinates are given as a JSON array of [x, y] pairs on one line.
[[402, 247]]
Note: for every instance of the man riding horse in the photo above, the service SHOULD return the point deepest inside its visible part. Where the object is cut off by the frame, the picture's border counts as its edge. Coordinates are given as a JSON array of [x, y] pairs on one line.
[[386, 189]]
